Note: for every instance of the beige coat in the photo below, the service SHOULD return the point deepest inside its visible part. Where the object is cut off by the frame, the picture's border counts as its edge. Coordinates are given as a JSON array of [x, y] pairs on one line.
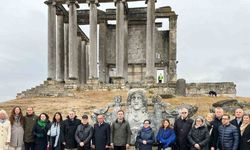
[[5, 133], [16, 135]]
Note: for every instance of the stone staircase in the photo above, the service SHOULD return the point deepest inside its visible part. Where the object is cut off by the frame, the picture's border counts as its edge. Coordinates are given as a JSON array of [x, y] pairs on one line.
[[47, 89]]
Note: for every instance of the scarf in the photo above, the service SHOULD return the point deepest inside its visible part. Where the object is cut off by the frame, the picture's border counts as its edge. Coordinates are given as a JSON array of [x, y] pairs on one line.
[[42, 123], [17, 118], [55, 132], [2, 121], [243, 127]]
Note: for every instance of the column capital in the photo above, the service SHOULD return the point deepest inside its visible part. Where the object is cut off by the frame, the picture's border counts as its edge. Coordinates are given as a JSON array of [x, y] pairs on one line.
[[146, 1], [123, 1], [93, 2], [71, 2], [50, 2]]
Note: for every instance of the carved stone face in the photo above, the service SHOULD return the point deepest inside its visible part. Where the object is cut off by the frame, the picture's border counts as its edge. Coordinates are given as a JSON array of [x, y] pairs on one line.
[[136, 101]]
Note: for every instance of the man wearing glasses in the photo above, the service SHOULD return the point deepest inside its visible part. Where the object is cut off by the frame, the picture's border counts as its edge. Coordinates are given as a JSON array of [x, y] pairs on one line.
[[182, 127], [228, 135]]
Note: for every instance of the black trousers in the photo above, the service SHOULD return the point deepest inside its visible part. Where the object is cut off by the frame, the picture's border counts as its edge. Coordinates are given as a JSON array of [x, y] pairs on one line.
[[119, 147], [29, 146]]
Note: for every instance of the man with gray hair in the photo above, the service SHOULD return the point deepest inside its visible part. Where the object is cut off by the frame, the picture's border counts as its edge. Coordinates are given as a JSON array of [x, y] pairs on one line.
[[182, 127], [237, 121]]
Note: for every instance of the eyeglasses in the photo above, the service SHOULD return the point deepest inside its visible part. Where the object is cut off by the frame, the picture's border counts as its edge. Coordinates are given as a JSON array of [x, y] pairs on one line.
[[184, 112]]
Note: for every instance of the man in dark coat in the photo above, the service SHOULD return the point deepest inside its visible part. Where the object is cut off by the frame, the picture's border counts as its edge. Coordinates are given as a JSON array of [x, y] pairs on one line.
[[69, 127], [228, 135], [101, 137], [120, 132], [182, 127], [237, 121], [29, 122], [215, 124], [84, 133]]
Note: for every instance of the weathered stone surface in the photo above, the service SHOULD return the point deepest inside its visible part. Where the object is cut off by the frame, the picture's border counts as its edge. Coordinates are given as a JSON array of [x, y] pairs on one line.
[[230, 105], [202, 89], [180, 87], [136, 110]]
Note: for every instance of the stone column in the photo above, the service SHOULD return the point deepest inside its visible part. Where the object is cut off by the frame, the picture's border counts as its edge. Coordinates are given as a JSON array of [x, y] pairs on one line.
[[66, 51], [120, 58], [83, 63], [73, 51], [150, 45], [60, 47], [126, 49], [79, 49], [102, 51], [87, 60], [51, 40], [93, 38], [172, 76]]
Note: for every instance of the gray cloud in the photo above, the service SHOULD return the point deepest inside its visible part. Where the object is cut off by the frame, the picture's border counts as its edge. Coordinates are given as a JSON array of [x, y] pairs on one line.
[[213, 42]]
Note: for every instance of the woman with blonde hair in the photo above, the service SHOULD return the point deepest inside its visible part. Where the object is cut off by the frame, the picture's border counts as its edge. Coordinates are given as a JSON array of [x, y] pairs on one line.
[[5, 130], [245, 133]]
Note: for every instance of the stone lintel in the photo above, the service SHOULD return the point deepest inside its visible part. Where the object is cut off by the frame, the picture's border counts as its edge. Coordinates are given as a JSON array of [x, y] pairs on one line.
[[100, 1]]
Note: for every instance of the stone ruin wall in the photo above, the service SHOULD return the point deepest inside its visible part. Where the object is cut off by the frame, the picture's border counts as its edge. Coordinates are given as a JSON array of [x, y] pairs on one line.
[[136, 50], [53, 89], [201, 89]]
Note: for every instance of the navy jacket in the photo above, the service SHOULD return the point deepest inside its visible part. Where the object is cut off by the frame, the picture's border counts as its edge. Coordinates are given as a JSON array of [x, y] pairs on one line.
[[228, 137], [101, 136], [148, 135]]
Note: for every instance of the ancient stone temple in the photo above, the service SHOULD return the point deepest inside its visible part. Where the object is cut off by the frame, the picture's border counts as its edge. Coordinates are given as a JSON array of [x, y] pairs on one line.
[[132, 49], [125, 49]]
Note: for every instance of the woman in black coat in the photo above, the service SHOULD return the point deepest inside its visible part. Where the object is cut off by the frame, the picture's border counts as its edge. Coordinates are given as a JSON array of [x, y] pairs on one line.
[[199, 135], [55, 133], [245, 133], [40, 132], [145, 137]]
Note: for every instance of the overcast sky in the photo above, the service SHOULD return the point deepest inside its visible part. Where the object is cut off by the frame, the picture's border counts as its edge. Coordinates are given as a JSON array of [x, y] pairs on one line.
[[213, 42]]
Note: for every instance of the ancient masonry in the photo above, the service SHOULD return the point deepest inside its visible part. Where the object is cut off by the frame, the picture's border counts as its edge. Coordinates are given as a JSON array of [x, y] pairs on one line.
[[128, 53]]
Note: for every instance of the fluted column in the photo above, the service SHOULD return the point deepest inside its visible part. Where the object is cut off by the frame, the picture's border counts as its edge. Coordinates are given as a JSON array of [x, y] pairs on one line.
[[126, 49], [60, 47], [150, 51], [172, 75], [120, 58], [73, 51], [93, 38], [51, 40], [83, 62], [66, 51], [79, 49], [87, 60]]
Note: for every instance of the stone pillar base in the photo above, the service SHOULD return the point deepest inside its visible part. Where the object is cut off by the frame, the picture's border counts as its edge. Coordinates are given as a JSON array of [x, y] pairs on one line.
[[93, 81], [50, 82], [71, 84], [118, 80], [150, 80]]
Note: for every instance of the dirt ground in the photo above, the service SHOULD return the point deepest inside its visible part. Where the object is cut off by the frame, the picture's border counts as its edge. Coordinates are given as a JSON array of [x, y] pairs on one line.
[[85, 102]]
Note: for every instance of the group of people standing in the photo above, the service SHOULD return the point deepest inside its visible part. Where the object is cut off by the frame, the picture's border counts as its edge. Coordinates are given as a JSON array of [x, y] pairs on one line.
[[214, 132]]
